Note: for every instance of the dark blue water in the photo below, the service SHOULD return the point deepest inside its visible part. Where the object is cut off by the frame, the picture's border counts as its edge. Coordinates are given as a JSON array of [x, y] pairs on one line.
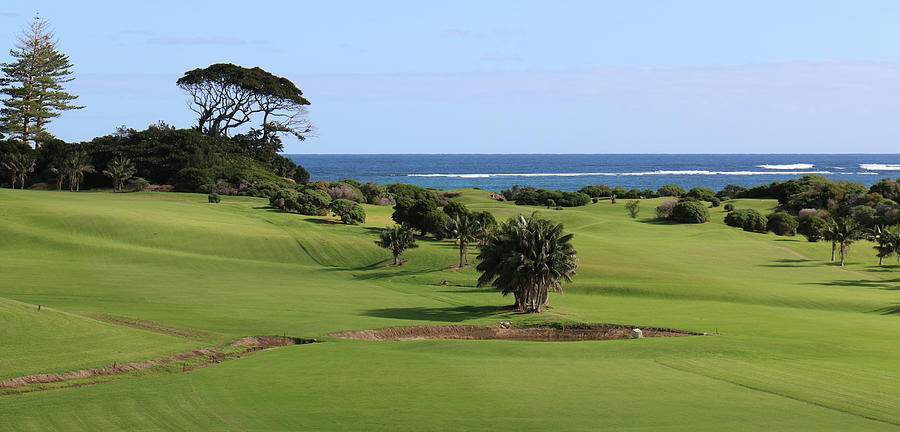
[[572, 171]]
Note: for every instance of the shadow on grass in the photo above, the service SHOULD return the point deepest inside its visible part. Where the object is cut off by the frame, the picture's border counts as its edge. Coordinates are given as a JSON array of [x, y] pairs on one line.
[[658, 222], [795, 263], [448, 314], [890, 310], [891, 284]]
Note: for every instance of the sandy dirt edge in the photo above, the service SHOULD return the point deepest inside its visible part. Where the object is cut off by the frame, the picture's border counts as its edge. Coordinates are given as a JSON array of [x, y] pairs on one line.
[[502, 332]]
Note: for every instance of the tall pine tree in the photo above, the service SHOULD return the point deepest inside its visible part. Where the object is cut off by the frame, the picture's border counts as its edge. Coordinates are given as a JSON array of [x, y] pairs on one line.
[[33, 85]]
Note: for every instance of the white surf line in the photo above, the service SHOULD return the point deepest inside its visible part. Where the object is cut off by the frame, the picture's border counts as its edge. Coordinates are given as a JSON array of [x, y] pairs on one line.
[[647, 173], [796, 166], [880, 167]]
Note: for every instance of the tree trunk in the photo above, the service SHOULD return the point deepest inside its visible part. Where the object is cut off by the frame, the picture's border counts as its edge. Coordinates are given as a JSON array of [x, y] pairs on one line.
[[396, 259], [880, 260], [462, 255], [842, 254], [832, 251]]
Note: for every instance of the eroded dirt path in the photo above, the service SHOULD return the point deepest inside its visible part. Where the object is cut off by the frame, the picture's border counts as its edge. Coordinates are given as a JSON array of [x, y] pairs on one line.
[[182, 362]]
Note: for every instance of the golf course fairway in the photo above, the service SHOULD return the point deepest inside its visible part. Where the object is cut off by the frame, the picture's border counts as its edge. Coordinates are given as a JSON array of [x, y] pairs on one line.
[[796, 342]]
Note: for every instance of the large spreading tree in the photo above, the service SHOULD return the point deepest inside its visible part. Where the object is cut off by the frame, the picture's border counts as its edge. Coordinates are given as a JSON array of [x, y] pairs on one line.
[[226, 96], [33, 84]]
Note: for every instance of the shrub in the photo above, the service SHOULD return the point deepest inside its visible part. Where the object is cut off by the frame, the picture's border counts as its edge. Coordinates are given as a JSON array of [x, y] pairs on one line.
[[664, 210], [455, 208], [714, 202], [863, 214], [730, 191], [214, 198], [597, 191], [343, 191], [437, 223], [670, 190], [813, 228], [690, 212], [747, 219], [701, 194], [729, 207], [193, 180], [782, 224], [349, 211], [633, 207], [137, 184], [807, 212]]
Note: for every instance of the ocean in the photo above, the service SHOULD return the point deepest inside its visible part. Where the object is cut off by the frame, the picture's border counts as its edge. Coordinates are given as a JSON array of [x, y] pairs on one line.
[[572, 171]]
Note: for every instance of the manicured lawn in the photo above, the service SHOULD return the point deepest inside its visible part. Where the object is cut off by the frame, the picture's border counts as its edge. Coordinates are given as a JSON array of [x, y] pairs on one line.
[[804, 344]]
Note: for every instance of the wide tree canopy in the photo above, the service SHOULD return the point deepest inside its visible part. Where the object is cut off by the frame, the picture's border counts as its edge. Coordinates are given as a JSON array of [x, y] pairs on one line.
[[226, 96]]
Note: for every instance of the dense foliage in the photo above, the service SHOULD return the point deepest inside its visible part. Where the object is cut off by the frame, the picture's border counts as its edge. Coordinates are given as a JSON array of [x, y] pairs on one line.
[[541, 197], [747, 219], [527, 257], [688, 211], [782, 223]]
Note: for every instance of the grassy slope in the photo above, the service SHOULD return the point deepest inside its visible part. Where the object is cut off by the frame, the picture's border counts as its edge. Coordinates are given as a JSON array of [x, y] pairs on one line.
[[805, 344]]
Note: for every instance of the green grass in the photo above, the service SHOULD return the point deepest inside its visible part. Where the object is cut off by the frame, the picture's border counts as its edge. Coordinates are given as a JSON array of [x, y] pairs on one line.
[[804, 345]]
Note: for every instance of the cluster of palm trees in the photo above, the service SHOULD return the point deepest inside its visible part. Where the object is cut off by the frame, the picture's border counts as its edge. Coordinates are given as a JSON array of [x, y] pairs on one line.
[[71, 166], [887, 241], [18, 165], [526, 257], [844, 231]]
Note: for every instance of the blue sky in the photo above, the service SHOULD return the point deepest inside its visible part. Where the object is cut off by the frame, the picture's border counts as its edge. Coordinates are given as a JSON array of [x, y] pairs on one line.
[[505, 76]]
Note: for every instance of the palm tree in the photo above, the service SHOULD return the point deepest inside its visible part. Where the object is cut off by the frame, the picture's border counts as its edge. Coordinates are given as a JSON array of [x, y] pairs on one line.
[[76, 165], [18, 165], [842, 232], [528, 257], [466, 229], [119, 170], [887, 241], [398, 239]]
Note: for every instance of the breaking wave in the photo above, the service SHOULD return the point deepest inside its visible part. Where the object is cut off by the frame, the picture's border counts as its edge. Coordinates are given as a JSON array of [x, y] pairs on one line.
[[647, 173], [880, 167], [798, 166]]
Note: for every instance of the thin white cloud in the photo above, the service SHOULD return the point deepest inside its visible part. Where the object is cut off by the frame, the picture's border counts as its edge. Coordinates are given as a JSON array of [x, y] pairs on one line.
[[499, 57], [454, 33], [202, 40]]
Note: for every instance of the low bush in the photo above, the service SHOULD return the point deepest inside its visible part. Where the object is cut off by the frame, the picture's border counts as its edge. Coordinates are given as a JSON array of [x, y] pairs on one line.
[[664, 210], [633, 207], [214, 198], [813, 228], [670, 190], [747, 219], [782, 224], [690, 212], [137, 184], [350, 212], [729, 207]]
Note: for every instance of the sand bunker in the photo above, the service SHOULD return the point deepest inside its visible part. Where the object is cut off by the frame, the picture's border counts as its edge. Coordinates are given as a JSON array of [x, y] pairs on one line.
[[503, 332]]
